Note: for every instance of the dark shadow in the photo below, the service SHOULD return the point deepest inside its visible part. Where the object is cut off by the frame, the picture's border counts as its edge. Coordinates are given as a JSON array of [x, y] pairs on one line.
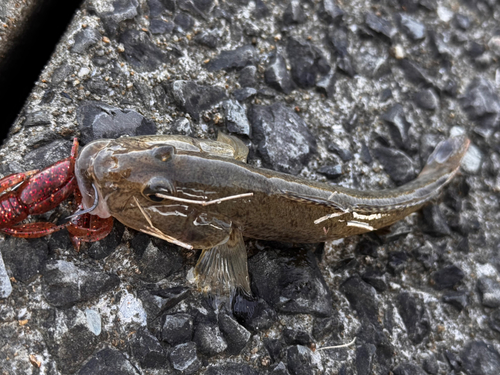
[[20, 69]]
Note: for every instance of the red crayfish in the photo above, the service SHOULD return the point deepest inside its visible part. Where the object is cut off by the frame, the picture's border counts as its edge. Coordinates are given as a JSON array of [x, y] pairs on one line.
[[36, 192]]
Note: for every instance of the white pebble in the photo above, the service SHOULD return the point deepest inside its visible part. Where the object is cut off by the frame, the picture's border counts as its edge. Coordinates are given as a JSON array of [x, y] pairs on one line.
[[394, 286], [456, 130], [444, 14], [131, 310], [5, 285], [472, 160], [399, 52], [93, 321], [83, 72], [486, 270]]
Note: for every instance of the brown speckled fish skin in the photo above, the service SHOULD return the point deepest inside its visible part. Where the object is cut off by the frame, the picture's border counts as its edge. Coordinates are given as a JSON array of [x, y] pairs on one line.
[[283, 207]]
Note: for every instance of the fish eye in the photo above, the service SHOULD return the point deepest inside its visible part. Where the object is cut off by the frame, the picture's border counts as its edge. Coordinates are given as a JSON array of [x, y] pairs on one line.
[[157, 185], [155, 198]]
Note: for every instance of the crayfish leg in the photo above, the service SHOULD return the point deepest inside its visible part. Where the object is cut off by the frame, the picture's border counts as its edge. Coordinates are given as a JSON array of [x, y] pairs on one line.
[[13, 179], [32, 230], [88, 228], [74, 149]]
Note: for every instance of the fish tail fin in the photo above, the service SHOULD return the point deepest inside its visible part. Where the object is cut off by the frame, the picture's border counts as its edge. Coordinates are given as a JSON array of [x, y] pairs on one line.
[[440, 168], [446, 157]]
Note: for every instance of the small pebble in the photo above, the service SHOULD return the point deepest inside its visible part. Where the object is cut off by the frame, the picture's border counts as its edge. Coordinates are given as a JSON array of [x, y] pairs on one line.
[[93, 321], [444, 14], [414, 29], [5, 285], [426, 99], [185, 359], [331, 171], [398, 51], [494, 45], [131, 310], [472, 160], [490, 292], [83, 72]]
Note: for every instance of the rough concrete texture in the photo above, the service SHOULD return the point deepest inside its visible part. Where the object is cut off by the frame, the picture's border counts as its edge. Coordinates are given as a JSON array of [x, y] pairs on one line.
[[364, 85]]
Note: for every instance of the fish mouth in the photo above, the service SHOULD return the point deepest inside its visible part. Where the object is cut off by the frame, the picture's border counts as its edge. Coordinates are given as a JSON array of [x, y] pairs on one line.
[[82, 211], [84, 173]]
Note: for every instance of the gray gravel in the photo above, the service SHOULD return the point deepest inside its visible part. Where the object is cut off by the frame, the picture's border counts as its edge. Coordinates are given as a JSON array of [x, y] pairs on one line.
[[359, 86]]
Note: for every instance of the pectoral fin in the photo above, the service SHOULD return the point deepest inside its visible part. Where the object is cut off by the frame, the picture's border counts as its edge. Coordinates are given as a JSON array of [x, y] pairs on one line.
[[223, 268], [240, 150]]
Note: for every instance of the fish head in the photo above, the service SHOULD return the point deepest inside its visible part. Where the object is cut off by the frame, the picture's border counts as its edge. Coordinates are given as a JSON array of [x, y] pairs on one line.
[[134, 178], [122, 168]]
